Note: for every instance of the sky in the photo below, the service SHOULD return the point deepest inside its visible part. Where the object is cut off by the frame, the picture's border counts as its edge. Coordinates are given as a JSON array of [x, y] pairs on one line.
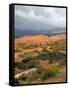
[[40, 19]]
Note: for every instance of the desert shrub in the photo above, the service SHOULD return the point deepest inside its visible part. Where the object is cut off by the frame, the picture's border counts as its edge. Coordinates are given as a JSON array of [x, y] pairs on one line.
[[53, 71], [50, 44], [26, 60], [59, 45], [31, 64], [45, 49], [45, 74], [42, 73], [62, 62], [26, 64], [32, 76], [23, 77], [17, 50], [52, 56], [23, 65], [20, 65], [29, 57]]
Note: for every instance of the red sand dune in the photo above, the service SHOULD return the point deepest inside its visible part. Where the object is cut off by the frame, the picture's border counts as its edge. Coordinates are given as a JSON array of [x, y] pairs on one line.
[[39, 38], [57, 37]]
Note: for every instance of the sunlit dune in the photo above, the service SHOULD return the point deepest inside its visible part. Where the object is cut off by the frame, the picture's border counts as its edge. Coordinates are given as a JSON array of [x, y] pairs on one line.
[[39, 38], [57, 37]]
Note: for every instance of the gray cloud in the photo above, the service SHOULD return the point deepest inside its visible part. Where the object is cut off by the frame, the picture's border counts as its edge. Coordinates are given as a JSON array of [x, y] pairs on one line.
[[40, 19]]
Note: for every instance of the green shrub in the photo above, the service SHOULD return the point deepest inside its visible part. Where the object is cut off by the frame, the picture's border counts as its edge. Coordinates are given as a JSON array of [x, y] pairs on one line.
[[17, 50], [52, 56], [53, 71], [50, 72], [42, 73], [26, 63], [23, 77]]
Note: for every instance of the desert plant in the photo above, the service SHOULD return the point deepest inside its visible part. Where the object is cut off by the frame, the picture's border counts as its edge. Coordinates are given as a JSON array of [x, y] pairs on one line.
[[50, 44], [45, 49], [53, 71], [62, 62], [17, 50], [23, 77], [52, 55]]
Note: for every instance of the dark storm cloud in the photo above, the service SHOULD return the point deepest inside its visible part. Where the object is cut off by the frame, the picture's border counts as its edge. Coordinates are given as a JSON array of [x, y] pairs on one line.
[[40, 19]]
